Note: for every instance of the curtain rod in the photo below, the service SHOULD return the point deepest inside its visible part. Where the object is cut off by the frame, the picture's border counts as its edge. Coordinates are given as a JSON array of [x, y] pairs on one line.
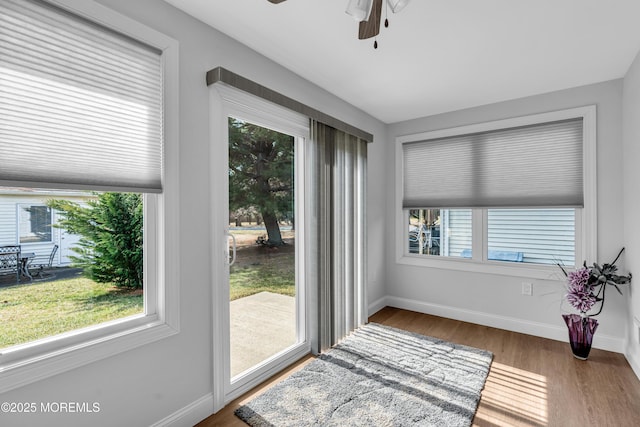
[[222, 75]]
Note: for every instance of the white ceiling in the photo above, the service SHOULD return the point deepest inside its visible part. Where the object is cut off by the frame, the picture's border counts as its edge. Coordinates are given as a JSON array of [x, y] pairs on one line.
[[437, 55]]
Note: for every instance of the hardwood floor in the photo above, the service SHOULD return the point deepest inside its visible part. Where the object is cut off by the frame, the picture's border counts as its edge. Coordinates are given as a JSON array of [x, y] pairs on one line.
[[533, 381]]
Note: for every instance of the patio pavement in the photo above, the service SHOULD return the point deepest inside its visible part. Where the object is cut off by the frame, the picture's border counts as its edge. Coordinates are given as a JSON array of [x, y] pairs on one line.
[[50, 274], [262, 325]]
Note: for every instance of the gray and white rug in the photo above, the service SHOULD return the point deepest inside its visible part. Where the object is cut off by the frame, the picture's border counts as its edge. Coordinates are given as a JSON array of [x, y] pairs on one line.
[[378, 376]]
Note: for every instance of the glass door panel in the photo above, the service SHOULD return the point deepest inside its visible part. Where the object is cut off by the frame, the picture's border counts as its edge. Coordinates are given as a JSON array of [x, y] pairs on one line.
[[263, 309]]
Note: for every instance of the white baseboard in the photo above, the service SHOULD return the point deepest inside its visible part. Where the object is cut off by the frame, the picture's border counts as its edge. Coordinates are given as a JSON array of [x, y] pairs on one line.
[[377, 305], [604, 342], [634, 360], [190, 415]]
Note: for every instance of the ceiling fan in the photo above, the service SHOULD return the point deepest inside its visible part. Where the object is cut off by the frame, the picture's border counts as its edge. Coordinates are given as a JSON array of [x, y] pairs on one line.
[[369, 14]]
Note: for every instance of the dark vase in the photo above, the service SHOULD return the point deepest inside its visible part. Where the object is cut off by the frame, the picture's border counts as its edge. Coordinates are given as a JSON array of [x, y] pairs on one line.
[[581, 330]]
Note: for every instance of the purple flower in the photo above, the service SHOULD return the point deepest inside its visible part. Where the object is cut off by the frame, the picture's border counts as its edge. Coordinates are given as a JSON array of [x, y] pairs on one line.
[[581, 300], [579, 279], [579, 291]]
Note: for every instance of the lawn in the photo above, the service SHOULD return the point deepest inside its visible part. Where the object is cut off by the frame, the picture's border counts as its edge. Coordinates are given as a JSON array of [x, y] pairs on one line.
[[251, 279], [259, 269], [37, 310]]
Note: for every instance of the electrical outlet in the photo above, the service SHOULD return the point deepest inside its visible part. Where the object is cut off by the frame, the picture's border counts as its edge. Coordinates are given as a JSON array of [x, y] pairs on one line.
[[527, 288]]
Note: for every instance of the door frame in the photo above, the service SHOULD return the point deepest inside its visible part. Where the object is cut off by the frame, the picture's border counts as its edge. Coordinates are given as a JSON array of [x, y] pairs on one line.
[[226, 101]]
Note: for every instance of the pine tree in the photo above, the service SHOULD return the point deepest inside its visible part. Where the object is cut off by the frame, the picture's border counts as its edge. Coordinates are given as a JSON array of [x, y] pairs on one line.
[[111, 237], [261, 174]]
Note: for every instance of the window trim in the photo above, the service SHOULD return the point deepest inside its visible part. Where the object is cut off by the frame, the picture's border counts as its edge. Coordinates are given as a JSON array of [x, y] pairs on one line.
[[19, 207], [586, 218], [34, 361]]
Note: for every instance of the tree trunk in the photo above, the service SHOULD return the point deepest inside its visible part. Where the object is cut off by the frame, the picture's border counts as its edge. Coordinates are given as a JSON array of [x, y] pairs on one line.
[[273, 229]]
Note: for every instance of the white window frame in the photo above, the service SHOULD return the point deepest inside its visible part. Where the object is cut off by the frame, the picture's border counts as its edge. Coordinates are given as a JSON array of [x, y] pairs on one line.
[[20, 208], [34, 361], [586, 217]]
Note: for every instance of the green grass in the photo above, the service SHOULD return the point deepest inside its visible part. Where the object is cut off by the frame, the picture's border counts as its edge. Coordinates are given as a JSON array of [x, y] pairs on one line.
[[260, 269], [250, 279], [33, 311]]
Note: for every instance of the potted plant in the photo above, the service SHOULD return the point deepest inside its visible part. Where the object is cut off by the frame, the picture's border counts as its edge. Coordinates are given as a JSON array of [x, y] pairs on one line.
[[586, 288]]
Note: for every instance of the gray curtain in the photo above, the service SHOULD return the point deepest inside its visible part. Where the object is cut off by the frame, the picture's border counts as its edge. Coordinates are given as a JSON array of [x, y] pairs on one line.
[[337, 260]]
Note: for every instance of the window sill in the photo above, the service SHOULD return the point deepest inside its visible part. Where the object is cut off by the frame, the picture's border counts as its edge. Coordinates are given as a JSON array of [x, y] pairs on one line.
[[543, 272], [19, 366]]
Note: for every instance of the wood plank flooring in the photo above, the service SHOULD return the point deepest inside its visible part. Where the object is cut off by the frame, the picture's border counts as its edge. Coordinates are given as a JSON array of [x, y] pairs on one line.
[[533, 381]]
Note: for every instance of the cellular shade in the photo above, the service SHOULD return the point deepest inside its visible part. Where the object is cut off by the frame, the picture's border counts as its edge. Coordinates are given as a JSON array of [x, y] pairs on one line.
[[530, 166], [80, 105]]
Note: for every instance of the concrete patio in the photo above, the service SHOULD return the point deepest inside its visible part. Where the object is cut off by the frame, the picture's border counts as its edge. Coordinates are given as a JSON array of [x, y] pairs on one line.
[[48, 275], [262, 325]]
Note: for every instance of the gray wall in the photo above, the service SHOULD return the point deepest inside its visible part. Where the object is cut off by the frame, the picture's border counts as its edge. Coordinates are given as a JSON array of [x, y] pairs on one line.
[[631, 150], [149, 383], [496, 300]]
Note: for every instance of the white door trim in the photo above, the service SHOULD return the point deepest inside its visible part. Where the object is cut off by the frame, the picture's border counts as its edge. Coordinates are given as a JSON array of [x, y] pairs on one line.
[[224, 102]]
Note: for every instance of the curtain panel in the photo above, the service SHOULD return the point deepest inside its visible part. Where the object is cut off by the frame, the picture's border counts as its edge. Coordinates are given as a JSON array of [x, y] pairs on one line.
[[337, 258]]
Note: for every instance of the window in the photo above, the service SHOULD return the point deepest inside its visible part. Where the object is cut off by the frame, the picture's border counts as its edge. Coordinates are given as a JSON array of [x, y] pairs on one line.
[[34, 223], [443, 232], [92, 108], [536, 236], [512, 194]]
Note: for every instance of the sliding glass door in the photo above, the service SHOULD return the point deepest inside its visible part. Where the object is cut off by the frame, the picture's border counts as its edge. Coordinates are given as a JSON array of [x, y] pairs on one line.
[[259, 214]]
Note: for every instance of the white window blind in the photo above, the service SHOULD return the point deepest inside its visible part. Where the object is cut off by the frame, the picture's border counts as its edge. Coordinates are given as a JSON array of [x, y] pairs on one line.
[[80, 105], [527, 166]]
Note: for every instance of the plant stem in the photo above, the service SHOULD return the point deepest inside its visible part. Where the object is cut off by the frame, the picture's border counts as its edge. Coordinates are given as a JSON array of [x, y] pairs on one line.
[[602, 290], [619, 253]]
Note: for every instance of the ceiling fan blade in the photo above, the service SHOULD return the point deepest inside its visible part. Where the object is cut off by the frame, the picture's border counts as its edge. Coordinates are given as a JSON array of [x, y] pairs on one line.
[[371, 28], [276, 1]]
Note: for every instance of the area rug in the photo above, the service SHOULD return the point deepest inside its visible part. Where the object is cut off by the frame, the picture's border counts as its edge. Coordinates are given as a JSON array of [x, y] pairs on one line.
[[378, 376]]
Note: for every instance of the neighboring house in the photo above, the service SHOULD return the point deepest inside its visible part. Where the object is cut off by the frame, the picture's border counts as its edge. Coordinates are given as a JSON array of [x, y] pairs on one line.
[[26, 220]]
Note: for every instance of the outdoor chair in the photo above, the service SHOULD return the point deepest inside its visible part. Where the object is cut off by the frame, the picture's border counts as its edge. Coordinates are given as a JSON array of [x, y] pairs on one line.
[[43, 261], [10, 260], [430, 237]]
